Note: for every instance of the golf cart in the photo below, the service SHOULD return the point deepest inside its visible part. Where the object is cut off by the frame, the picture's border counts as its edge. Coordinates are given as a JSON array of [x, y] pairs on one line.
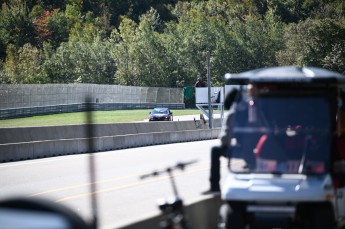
[[286, 156]]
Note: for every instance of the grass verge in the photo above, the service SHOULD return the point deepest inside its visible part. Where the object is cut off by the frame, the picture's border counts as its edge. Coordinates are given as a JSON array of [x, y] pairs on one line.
[[117, 116]]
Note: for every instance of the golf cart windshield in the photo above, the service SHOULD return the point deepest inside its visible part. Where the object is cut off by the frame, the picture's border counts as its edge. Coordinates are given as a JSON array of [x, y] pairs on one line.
[[281, 134]]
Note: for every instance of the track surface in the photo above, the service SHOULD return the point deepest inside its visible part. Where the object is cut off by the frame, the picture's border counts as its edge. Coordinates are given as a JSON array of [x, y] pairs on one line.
[[122, 197]]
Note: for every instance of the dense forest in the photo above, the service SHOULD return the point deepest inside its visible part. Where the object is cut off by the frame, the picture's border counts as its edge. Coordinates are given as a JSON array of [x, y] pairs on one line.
[[164, 42]]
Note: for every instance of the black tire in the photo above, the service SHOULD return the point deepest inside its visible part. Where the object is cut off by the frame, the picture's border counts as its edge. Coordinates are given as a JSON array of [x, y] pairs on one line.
[[317, 216], [322, 216], [232, 216]]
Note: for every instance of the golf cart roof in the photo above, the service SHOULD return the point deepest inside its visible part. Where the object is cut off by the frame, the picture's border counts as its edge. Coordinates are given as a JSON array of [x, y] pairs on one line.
[[287, 75]]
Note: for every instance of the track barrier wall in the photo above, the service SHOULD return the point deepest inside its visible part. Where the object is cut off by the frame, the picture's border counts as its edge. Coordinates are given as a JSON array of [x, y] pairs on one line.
[[201, 214], [24, 100], [26, 143]]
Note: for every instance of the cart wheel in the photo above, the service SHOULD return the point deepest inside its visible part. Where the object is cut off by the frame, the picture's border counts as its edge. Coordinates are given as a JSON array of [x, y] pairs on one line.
[[316, 216], [231, 216], [322, 216]]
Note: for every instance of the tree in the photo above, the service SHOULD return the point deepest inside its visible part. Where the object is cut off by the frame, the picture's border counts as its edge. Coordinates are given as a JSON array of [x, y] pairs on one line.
[[261, 38], [140, 53], [29, 64], [318, 42], [11, 65], [335, 59], [16, 26], [323, 37], [229, 56], [150, 53], [294, 40], [164, 42], [194, 38], [42, 30], [123, 52], [78, 61], [3, 76], [23, 65]]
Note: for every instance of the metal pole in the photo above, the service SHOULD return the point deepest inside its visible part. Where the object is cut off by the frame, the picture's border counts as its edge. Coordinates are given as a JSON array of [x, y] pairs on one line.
[[169, 171], [210, 116], [92, 164]]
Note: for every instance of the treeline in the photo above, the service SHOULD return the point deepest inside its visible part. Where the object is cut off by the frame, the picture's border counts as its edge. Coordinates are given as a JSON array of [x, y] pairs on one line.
[[164, 42]]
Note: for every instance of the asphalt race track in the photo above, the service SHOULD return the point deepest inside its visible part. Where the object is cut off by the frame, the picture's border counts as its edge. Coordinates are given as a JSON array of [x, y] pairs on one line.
[[122, 198]]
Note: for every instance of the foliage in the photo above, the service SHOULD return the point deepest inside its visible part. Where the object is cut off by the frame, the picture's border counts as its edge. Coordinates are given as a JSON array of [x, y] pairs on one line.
[[164, 42], [261, 38], [78, 61], [319, 46], [315, 43], [3, 77], [24, 65], [15, 25]]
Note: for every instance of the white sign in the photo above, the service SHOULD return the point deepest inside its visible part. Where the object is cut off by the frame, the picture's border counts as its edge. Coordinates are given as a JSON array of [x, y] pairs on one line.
[[201, 95]]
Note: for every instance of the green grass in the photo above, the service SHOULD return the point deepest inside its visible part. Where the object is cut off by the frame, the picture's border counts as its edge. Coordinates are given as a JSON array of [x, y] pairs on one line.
[[117, 116]]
